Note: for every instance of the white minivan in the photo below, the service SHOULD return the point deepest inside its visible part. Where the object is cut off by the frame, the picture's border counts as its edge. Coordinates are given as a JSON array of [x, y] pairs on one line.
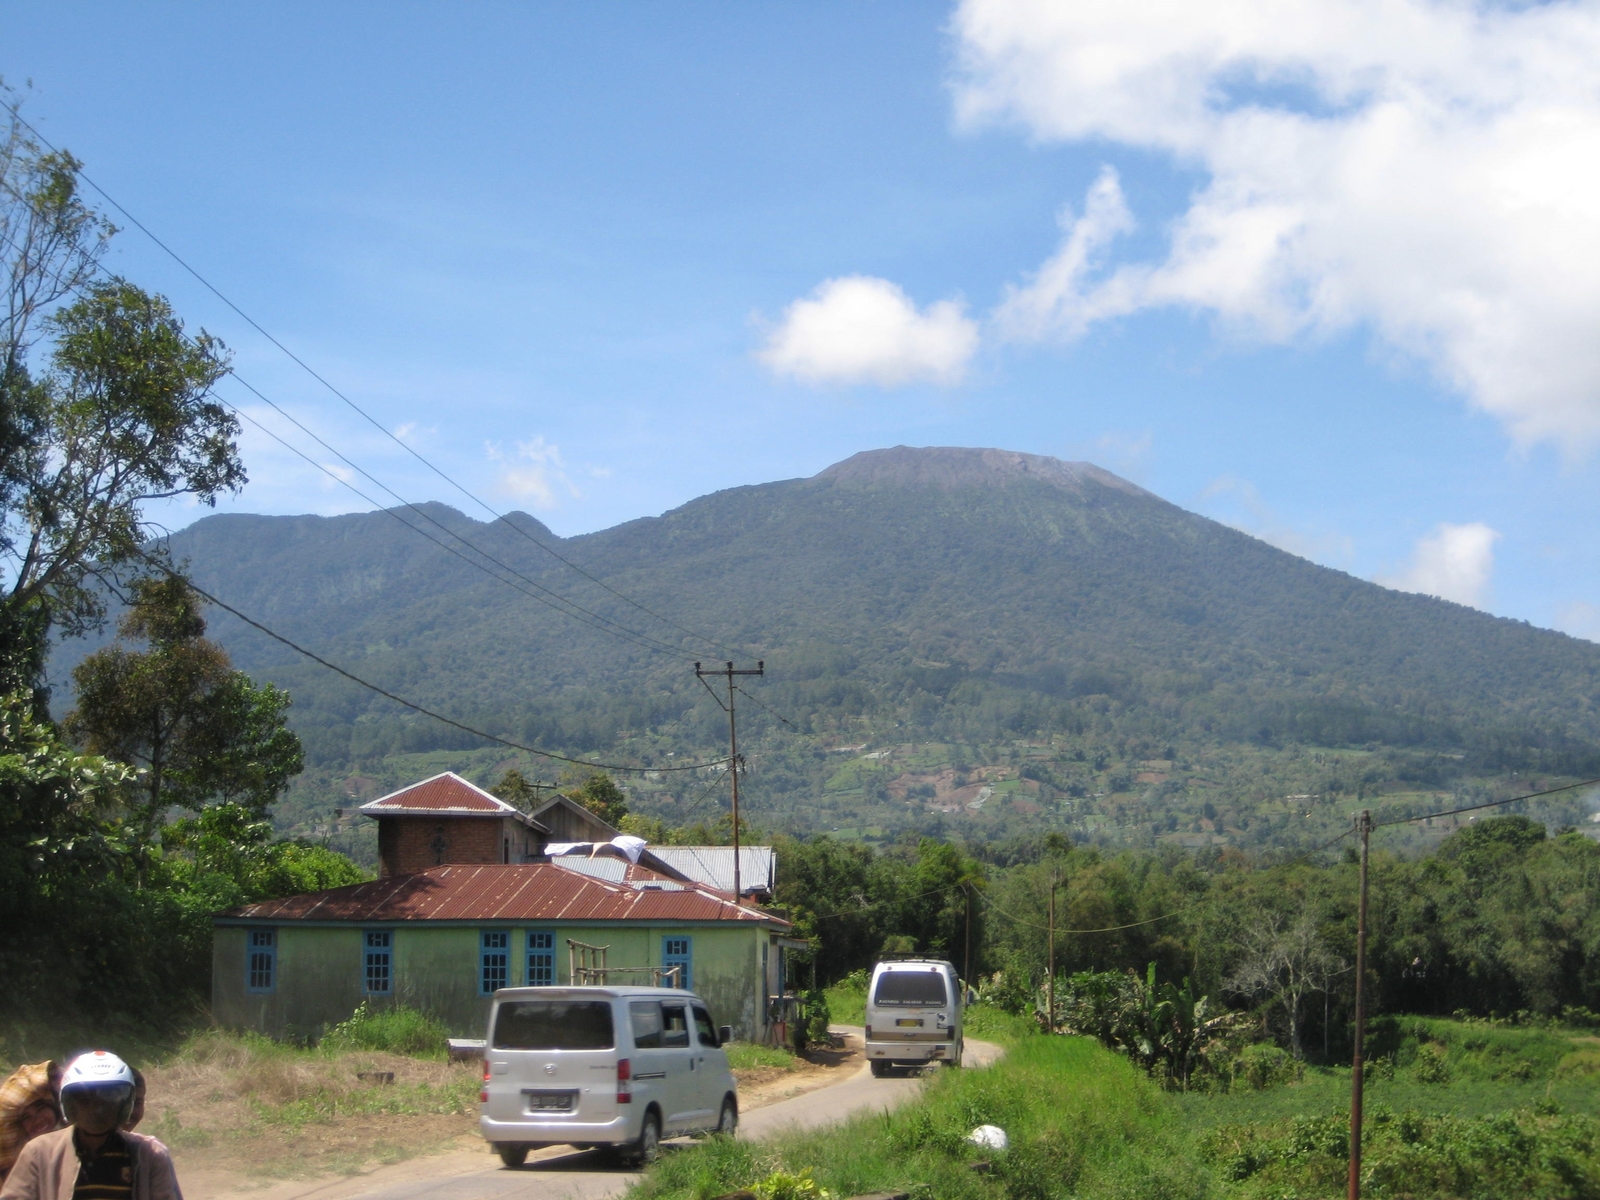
[[913, 1014], [602, 1066]]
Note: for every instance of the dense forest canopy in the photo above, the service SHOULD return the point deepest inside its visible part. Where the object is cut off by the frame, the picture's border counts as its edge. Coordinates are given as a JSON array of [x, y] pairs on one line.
[[934, 622]]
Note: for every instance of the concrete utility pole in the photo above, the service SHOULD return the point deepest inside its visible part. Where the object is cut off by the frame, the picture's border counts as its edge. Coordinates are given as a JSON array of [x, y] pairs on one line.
[[1050, 961], [1364, 828], [728, 672]]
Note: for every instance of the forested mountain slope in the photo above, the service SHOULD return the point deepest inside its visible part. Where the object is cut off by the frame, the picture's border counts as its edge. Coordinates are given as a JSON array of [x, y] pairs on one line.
[[970, 597]]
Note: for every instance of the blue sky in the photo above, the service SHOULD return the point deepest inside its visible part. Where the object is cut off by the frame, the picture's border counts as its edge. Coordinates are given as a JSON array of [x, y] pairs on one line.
[[1298, 275]]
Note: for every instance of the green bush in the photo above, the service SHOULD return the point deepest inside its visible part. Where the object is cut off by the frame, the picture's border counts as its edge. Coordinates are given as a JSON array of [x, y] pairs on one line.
[[811, 1023], [1532, 1154], [397, 1029], [1431, 1065], [1265, 1065]]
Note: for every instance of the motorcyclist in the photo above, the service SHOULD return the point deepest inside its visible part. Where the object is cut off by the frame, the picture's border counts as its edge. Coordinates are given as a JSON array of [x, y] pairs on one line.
[[97, 1157]]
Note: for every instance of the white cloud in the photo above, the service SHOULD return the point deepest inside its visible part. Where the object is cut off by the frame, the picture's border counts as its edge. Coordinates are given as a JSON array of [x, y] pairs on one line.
[[1426, 168], [533, 473], [1454, 562], [1581, 620], [858, 329]]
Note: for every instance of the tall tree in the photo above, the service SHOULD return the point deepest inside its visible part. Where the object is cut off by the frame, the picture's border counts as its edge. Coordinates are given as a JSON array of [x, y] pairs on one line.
[[105, 404], [51, 244], [124, 415], [1284, 962], [203, 732]]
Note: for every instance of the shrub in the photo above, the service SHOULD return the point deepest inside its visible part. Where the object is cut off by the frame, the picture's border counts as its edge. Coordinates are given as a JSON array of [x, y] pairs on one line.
[[811, 1023], [1539, 1153], [1431, 1065], [1264, 1065], [784, 1185], [397, 1029]]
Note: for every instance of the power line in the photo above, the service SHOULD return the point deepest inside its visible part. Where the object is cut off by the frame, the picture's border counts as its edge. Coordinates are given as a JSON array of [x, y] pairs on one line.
[[605, 625], [872, 904], [770, 710], [621, 631], [1490, 804], [401, 700], [1177, 912], [303, 365]]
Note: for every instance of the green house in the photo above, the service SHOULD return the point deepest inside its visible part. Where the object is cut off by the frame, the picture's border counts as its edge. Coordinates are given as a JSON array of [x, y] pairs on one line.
[[443, 937]]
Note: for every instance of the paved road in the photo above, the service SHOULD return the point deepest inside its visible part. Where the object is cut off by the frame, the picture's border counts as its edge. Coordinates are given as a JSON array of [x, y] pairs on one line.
[[563, 1174], [850, 1096]]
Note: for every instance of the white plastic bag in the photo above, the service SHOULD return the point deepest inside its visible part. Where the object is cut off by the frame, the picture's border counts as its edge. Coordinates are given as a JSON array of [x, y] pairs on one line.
[[990, 1137]]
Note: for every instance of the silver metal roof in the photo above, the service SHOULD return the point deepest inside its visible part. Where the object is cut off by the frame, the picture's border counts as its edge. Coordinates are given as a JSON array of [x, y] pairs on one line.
[[615, 870], [713, 865]]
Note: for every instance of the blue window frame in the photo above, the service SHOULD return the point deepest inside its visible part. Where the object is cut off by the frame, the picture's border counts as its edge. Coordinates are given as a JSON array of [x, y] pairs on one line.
[[377, 962], [541, 958], [494, 961], [679, 952], [261, 960]]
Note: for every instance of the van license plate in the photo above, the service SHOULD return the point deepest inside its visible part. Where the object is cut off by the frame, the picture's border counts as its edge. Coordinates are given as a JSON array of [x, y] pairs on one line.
[[911, 1022], [551, 1101]]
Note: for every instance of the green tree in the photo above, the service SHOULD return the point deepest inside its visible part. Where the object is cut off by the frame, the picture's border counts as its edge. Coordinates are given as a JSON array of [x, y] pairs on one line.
[[105, 404], [514, 788], [51, 244], [226, 856], [600, 794], [123, 415], [203, 732], [58, 841]]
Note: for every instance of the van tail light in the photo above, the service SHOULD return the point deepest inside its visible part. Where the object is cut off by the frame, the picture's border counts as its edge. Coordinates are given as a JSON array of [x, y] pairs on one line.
[[869, 1033], [624, 1081], [483, 1096]]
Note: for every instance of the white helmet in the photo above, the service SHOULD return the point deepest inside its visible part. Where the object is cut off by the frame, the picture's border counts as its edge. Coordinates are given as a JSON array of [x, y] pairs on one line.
[[98, 1078]]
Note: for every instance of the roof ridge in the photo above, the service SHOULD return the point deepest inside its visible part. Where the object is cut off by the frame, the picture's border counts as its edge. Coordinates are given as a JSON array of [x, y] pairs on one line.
[[484, 793], [471, 891]]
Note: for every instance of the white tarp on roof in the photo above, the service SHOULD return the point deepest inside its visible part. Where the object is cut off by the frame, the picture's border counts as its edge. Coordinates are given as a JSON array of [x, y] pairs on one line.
[[625, 844]]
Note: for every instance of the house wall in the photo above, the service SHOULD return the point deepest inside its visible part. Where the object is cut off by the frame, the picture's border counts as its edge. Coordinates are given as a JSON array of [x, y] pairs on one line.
[[436, 968], [317, 983], [410, 844], [569, 822]]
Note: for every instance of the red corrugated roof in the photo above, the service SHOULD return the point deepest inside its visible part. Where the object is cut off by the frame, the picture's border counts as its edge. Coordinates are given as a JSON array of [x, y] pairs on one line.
[[443, 793], [518, 892]]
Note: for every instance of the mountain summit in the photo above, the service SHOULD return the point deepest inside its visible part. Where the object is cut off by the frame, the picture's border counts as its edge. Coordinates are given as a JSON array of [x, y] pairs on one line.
[[953, 467]]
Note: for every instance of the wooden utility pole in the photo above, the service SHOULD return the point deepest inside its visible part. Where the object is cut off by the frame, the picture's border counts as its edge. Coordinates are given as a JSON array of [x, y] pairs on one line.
[[1364, 828], [728, 672]]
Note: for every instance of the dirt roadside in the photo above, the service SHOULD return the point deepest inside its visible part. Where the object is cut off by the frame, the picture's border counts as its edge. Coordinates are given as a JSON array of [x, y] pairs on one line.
[[224, 1150]]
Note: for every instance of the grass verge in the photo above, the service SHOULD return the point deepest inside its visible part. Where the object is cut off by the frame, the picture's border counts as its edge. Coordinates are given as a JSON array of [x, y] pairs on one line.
[[1456, 1111], [747, 1056], [1070, 1109], [244, 1103]]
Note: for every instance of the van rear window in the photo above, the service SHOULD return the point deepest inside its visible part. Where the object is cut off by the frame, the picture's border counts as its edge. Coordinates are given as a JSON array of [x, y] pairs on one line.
[[922, 988], [553, 1025]]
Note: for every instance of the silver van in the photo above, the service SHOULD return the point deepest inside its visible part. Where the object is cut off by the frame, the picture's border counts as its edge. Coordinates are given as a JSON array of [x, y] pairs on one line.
[[913, 1014], [621, 1067]]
